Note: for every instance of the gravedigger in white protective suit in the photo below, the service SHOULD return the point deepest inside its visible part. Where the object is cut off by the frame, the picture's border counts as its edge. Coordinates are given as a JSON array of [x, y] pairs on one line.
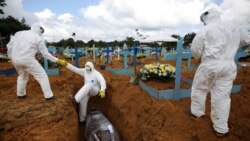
[[94, 83], [22, 49], [216, 45]]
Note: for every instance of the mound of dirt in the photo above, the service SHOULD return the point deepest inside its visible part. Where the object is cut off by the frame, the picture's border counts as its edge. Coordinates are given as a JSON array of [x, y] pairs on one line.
[[34, 118]]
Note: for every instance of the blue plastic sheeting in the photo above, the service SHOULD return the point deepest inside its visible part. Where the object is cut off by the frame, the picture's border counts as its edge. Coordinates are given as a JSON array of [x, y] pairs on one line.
[[8, 71]]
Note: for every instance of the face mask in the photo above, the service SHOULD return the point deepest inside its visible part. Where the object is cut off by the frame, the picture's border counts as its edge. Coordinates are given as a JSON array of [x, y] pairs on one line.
[[41, 30], [88, 69], [203, 16]]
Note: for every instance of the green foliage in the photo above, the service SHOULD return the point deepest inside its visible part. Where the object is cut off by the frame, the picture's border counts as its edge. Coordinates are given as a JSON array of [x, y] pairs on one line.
[[2, 4], [91, 43], [176, 36], [188, 38], [100, 44], [61, 43], [70, 42], [10, 25], [170, 45], [116, 43], [129, 41], [79, 43]]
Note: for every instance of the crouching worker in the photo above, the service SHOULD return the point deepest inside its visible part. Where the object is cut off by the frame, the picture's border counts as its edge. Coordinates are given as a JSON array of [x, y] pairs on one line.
[[94, 83]]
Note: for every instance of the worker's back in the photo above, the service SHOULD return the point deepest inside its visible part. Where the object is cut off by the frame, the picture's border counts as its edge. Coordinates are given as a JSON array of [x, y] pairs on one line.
[[221, 41], [25, 45]]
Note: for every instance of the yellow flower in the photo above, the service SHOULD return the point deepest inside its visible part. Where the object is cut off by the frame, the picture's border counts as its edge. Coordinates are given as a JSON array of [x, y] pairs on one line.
[[157, 69], [162, 66], [172, 69], [164, 71]]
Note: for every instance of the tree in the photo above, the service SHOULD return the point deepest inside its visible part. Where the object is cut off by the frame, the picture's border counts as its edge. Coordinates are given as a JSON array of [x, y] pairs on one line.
[[91, 43], [129, 41], [188, 38], [2, 4], [70, 42], [23, 21], [100, 44], [169, 45], [176, 36], [10, 25], [79, 43], [61, 43]]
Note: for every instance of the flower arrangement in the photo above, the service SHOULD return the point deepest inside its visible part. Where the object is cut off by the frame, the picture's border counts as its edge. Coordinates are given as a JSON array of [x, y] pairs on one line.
[[158, 71]]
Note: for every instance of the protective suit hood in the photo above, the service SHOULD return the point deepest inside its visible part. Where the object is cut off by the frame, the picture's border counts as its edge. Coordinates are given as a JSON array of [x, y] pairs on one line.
[[211, 15], [37, 29], [90, 64]]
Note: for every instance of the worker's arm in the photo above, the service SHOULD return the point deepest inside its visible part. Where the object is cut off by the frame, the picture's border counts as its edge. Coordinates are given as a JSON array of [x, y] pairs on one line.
[[197, 46], [101, 80], [44, 51], [74, 69], [10, 46]]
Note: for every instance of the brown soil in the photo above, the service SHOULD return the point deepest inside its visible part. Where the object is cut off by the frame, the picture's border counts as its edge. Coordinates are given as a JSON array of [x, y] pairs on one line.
[[135, 114]]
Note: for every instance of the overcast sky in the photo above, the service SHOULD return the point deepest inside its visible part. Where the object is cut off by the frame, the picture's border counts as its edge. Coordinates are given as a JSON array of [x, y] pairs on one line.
[[110, 20]]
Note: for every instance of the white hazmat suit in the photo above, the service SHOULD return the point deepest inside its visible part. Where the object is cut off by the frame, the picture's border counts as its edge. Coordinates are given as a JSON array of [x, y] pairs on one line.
[[94, 82], [22, 49], [216, 44]]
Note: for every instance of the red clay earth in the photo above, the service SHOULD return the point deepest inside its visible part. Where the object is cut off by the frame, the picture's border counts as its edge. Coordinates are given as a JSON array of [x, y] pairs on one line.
[[135, 114]]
